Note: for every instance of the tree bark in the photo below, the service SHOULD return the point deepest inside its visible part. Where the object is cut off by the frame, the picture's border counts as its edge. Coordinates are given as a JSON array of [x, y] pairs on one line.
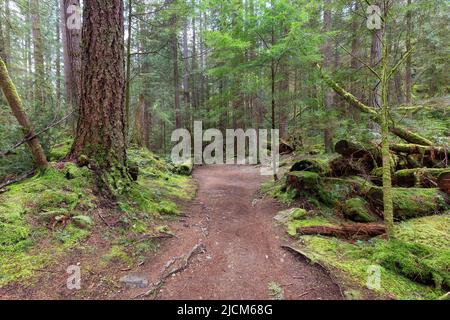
[[38, 53], [101, 126], [328, 62], [408, 69], [176, 74], [71, 39], [345, 231], [10, 92]]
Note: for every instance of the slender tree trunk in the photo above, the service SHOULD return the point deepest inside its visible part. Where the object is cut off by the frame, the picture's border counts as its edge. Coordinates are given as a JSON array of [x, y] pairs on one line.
[[58, 58], [71, 39], [10, 92], [354, 60], [328, 62], [128, 76], [38, 53], [176, 75], [375, 60], [101, 126], [385, 151], [186, 89], [5, 34], [408, 71], [141, 124]]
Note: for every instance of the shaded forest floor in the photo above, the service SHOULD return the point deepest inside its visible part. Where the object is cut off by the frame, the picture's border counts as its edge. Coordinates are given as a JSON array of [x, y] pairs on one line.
[[239, 256]]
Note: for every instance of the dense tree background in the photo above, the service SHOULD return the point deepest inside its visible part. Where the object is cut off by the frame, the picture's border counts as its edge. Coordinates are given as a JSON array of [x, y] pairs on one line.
[[235, 63]]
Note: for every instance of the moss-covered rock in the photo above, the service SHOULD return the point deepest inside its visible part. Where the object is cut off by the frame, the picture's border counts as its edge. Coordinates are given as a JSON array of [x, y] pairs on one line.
[[356, 209]]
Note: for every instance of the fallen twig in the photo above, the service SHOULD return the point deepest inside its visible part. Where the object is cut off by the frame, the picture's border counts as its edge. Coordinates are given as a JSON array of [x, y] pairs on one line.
[[22, 177]]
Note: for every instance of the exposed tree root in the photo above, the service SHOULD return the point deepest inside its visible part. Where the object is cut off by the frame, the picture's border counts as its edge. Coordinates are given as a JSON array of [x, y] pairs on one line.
[[172, 267]]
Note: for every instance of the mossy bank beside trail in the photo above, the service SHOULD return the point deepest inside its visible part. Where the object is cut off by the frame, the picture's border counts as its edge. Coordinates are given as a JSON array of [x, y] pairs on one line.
[[415, 264], [58, 213]]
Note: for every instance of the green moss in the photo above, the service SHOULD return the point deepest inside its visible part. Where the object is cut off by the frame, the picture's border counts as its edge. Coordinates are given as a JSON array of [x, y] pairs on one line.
[[414, 261], [279, 191], [315, 221], [356, 209], [414, 266], [59, 151], [71, 235], [116, 255]]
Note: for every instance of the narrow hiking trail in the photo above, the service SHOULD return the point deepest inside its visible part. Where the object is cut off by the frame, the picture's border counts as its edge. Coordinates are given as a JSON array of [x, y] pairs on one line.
[[241, 256]]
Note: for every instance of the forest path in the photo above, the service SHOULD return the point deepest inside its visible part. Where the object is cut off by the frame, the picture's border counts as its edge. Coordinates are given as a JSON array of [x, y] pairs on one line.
[[242, 255]]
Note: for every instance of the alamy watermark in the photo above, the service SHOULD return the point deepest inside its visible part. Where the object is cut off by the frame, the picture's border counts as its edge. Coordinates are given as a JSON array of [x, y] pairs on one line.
[[373, 277], [373, 17], [74, 280], [239, 147]]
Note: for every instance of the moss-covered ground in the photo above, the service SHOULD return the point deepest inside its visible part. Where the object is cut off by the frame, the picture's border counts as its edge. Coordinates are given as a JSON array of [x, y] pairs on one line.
[[55, 213], [415, 265]]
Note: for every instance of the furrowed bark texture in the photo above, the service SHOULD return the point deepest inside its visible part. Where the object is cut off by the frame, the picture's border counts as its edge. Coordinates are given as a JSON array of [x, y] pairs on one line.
[[101, 125]]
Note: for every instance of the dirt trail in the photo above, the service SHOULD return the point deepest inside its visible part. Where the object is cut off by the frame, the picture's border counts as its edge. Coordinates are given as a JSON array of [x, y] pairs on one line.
[[243, 253]]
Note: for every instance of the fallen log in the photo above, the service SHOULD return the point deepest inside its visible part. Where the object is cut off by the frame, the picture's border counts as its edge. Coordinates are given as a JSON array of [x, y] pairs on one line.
[[285, 147], [345, 230], [350, 149], [319, 166], [345, 167], [438, 152], [419, 177], [411, 202], [443, 182], [303, 180]]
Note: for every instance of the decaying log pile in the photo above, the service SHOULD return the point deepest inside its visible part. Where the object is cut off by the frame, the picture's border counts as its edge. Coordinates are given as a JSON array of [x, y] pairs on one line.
[[444, 182], [419, 177], [345, 230]]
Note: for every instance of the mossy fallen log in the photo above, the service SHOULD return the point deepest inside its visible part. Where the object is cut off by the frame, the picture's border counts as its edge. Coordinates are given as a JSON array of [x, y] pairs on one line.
[[185, 168], [319, 166], [419, 177], [357, 209], [411, 202], [285, 147], [437, 152], [443, 182], [303, 180], [345, 230]]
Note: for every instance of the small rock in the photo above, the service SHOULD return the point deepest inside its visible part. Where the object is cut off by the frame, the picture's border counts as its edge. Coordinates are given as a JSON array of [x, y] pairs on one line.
[[134, 280]]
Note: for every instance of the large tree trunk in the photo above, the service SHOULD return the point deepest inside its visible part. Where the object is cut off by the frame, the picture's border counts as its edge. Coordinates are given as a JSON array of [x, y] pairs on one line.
[[17, 109], [101, 127], [71, 38]]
